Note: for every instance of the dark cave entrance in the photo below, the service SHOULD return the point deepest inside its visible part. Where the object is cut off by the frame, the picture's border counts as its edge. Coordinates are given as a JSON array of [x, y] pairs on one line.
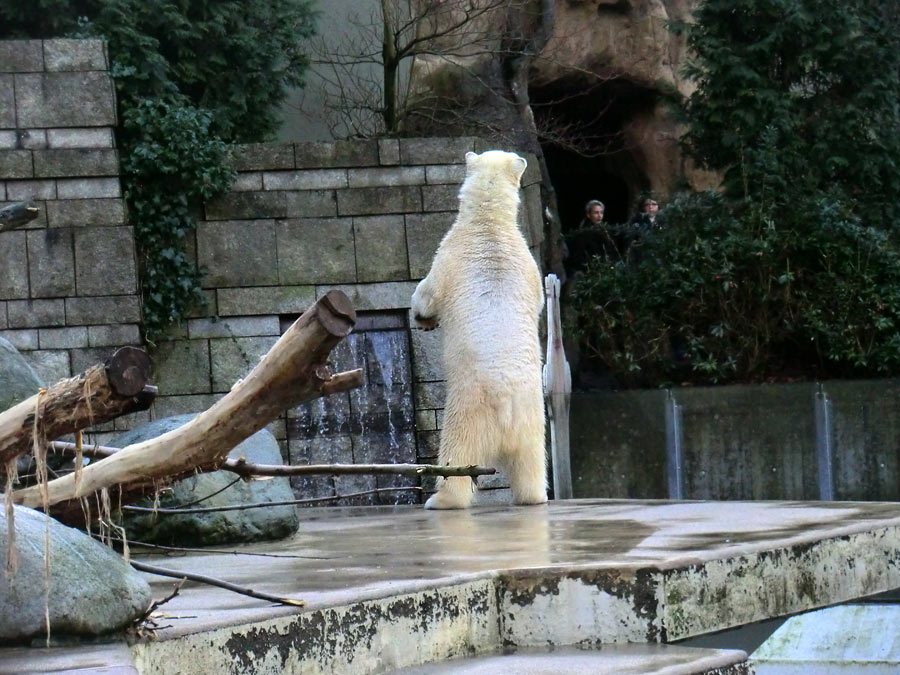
[[586, 147]]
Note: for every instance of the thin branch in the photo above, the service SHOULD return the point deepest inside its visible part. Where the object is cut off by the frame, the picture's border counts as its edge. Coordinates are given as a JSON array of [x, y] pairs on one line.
[[212, 581], [248, 470], [216, 551], [260, 505]]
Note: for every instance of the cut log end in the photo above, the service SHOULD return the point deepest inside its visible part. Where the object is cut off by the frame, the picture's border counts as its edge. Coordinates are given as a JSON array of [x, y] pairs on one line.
[[128, 371], [336, 313]]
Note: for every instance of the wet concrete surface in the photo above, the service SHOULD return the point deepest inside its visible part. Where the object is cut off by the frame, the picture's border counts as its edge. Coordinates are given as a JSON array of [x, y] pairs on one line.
[[392, 587], [346, 554]]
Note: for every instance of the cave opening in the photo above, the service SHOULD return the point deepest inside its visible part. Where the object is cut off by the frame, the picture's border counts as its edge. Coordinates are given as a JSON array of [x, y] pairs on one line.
[[586, 144]]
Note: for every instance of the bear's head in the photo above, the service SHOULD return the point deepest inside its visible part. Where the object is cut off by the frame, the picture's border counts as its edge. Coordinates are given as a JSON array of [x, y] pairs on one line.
[[496, 163]]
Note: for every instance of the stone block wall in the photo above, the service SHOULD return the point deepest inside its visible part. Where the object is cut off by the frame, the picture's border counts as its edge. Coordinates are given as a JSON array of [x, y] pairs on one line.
[[68, 280]]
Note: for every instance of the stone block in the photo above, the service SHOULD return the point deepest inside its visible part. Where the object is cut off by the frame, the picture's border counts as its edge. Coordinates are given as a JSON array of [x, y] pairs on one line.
[[316, 251], [103, 310], [387, 295], [427, 446], [75, 55], [377, 201], [23, 190], [435, 150], [423, 235], [16, 164], [82, 359], [311, 203], [51, 365], [328, 450], [311, 179], [115, 335], [73, 337], [426, 356], [14, 265], [105, 261], [23, 340], [4, 323], [8, 138], [62, 162], [234, 358], [7, 107], [385, 177], [136, 419], [317, 154], [247, 206], [21, 56], [85, 212], [445, 173], [65, 100], [51, 263], [426, 420], [88, 188], [237, 253], [182, 367], [388, 151], [263, 156], [265, 300], [250, 181], [35, 313], [31, 139], [167, 406], [440, 197], [430, 395], [380, 248], [89, 137], [234, 327]]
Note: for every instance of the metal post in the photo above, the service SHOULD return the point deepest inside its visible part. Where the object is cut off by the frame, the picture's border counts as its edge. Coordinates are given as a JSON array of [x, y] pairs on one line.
[[674, 454], [824, 442]]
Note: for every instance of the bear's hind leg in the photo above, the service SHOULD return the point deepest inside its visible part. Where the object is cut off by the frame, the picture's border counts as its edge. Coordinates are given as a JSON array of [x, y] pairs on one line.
[[467, 438], [525, 460]]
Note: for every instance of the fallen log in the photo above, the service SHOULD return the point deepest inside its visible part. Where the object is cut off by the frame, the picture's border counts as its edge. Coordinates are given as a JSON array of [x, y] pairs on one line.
[[246, 469], [103, 392], [17, 214], [292, 372]]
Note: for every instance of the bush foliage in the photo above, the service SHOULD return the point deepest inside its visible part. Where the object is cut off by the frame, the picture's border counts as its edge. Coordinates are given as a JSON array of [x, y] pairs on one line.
[[793, 270]]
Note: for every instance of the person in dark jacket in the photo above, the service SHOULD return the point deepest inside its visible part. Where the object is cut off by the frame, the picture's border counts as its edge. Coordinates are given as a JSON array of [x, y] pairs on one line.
[[592, 238]]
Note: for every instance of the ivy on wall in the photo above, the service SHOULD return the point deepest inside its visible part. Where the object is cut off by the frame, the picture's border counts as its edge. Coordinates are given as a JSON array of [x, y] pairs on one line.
[[191, 77]]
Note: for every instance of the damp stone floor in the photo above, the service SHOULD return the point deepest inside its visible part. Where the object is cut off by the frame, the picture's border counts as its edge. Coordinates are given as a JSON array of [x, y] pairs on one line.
[[599, 586]]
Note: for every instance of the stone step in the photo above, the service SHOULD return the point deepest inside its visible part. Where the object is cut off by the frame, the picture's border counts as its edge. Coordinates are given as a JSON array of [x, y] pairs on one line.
[[626, 659]]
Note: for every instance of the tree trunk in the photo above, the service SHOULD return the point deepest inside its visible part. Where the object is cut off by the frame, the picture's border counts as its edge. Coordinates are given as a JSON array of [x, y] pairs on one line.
[[292, 372], [101, 393]]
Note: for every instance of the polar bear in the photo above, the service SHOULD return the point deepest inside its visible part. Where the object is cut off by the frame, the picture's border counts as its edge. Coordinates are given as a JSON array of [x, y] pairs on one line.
[[484, 291]]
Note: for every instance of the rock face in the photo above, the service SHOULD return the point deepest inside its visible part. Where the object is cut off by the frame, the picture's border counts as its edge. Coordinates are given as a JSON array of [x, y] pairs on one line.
[[597, 89], [18, 380], [218, 527], [92, 589]]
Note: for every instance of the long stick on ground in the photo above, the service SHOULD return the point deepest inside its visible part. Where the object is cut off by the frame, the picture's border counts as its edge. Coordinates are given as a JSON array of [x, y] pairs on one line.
[[292, 372], [212, 581], [248, 470]]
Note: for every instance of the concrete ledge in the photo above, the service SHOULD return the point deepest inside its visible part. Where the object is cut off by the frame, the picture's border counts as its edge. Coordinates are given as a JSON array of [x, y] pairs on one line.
[[389, 588]]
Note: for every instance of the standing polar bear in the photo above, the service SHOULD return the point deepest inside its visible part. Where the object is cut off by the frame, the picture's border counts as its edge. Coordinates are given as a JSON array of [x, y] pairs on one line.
[[484, 290]]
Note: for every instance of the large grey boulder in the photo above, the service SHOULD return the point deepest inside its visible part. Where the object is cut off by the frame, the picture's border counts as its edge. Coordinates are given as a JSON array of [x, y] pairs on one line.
[[257, 524], [92, 589], [18, 380]]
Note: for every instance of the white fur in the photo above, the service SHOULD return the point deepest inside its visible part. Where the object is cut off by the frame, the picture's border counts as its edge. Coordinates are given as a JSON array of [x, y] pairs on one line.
[[484, 291]]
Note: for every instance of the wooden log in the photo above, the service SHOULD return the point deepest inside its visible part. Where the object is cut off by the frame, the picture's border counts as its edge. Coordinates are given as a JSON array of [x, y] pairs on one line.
[[292, 372], [101, 393], [16, 215]]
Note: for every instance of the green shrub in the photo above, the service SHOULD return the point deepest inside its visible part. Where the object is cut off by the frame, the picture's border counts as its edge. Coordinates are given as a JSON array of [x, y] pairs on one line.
[[738, 291]]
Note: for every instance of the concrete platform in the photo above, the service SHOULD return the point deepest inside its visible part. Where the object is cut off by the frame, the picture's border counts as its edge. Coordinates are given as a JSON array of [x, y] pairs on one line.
[[388, 588], [394, 587]]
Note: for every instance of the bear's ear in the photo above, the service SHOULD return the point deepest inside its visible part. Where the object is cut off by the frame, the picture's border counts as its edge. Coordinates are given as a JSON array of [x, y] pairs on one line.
[[470, 157], [519, 165]]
